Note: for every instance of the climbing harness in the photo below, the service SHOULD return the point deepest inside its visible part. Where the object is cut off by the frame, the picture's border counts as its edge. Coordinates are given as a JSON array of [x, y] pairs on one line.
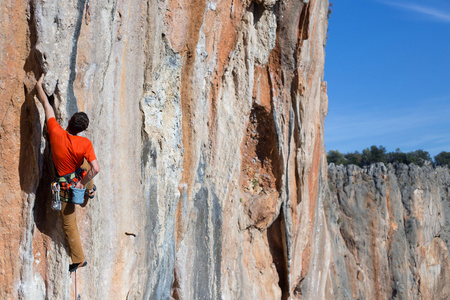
[[63, 188], [68, 180]]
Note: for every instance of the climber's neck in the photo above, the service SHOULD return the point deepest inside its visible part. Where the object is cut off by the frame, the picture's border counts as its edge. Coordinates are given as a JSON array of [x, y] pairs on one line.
[[69, 132]]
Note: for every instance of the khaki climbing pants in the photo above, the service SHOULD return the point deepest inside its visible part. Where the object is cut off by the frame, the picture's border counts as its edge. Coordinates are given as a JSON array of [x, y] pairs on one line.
[[70, 225]]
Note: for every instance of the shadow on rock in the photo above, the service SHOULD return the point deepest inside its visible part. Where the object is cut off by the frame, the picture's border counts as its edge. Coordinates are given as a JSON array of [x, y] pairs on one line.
[[36, 169]]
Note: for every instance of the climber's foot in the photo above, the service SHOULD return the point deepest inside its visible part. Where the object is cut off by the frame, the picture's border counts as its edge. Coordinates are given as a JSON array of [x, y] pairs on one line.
[[74, 267], [92, 192]]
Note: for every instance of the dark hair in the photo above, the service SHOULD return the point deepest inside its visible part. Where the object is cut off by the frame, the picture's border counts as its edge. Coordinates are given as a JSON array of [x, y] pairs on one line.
[[78, 122]]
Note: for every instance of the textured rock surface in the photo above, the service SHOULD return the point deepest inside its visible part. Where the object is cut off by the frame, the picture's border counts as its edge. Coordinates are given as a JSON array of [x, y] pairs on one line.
[[389, 228], [207, 118]]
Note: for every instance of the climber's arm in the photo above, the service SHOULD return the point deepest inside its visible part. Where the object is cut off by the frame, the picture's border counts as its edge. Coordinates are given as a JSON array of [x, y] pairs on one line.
[[95, 168], [49, 113]]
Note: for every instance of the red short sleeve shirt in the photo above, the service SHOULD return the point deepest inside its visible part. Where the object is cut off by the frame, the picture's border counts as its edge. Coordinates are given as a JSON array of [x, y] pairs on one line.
[[68, 151]]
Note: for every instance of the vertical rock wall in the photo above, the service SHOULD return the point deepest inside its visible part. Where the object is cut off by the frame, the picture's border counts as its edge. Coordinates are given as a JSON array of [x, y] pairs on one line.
[[207, 119]]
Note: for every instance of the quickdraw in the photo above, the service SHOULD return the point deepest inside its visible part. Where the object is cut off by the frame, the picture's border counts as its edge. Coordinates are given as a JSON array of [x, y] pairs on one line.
[[56, 203]]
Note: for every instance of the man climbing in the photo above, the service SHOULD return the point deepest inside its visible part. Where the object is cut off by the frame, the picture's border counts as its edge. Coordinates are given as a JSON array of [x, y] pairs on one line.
[[69, 151]]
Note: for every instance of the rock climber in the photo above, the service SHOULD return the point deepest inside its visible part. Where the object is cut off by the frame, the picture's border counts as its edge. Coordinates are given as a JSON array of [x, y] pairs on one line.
[[76, 164]]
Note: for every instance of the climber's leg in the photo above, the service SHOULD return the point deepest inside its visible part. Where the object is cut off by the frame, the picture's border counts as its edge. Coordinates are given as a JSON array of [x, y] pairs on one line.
[[71, 230]]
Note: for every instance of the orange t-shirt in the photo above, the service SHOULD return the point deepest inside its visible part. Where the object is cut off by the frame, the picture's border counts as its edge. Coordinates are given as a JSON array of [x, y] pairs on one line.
[[68, 151]]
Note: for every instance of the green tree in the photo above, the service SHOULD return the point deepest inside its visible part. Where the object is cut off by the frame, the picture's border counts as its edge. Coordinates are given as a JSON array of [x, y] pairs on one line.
[[397, 157], [376, 154], [336, 157], [442, 159], [373, 155], [418, 157], [353, 158]]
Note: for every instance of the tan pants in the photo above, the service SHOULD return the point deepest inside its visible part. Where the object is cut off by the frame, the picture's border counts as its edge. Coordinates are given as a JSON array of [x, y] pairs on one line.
[[70, 225]]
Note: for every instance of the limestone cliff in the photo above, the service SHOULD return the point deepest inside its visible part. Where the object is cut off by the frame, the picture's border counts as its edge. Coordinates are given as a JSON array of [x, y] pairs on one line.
[[207, 118], [389, 228]]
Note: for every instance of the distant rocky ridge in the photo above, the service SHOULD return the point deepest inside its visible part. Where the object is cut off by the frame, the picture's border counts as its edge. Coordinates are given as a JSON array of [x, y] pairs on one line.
[[390, 230]]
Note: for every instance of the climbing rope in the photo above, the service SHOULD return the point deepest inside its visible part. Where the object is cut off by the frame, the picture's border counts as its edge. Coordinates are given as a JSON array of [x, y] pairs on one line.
[[77, 297], [75, 284]]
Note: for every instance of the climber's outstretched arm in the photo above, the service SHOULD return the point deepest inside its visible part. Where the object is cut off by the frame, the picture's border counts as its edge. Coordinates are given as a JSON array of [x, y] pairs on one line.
[[49, 112]]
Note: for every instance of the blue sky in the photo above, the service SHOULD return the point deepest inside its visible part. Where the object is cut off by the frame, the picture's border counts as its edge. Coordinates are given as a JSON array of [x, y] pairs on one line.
[[388, 72]]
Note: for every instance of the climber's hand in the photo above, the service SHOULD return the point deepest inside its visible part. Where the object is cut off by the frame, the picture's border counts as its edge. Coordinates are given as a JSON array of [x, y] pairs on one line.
[[40, 91], [79, 185], [49, 112]]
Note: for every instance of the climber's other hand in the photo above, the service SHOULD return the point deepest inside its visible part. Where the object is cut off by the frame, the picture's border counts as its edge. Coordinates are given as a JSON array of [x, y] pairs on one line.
[[79, 185]]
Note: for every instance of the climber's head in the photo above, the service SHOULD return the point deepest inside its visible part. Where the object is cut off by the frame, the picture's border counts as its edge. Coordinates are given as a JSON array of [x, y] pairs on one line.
[[78, 123]]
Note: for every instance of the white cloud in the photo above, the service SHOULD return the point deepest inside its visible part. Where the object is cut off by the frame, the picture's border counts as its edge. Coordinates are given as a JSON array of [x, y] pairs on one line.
[[436, 14]]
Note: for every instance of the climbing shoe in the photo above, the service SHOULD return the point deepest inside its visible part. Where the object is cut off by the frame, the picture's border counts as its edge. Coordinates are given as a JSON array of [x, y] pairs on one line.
[[92, 192], [74, 267]]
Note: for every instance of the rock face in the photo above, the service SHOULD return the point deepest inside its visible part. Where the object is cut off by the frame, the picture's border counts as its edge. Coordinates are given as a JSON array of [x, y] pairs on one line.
[[389, 228], [207, 118]]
